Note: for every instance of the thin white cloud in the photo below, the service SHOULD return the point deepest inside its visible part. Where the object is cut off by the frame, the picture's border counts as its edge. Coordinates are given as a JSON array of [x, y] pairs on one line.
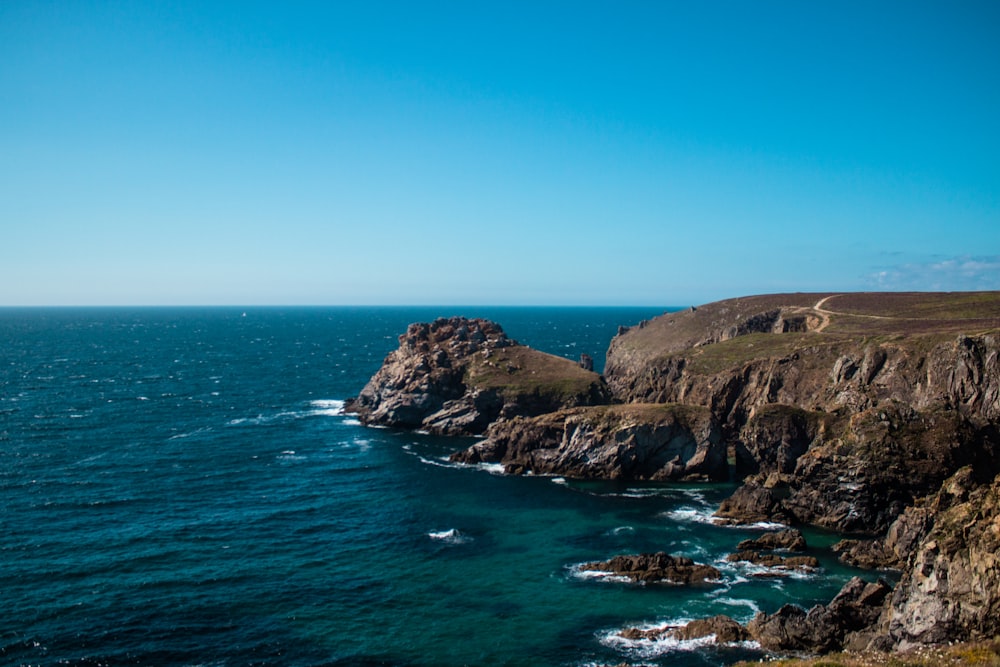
[[946, 275]]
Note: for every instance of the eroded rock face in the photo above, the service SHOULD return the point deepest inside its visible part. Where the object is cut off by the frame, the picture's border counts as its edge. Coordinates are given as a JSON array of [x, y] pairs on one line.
[[456, 376], [853, 472], [752, 503], [950, 589], [641, 442], [846, 432], [656, 568], [823, 628]]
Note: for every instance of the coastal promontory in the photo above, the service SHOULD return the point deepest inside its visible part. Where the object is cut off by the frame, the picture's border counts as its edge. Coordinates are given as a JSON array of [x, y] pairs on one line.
[[876, 415], [456, 376]]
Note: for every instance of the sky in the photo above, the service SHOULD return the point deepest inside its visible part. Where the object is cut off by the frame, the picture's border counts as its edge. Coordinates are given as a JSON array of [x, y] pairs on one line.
[[495, 153]]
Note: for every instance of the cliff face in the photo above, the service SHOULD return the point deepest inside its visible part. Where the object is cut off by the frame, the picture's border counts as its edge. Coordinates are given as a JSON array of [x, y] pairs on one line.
[[652, 442], [845, 408], [457, 376], [951, 583]]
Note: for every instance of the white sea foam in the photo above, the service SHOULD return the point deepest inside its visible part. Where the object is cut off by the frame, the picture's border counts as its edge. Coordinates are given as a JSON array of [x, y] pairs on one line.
[[453, 536], [745, 571], [440, 463], [746, 603], [577, 572], [645, 649], [765, 525], [331, 404], [689, 514]]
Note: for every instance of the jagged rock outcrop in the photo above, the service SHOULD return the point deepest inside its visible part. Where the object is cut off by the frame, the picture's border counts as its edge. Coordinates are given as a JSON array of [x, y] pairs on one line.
[[457, 376], [760, 551], [656, 568], [775, 561], [823, 628], [647, 442], [950, 589], [723, 628], [752, 503], [788, 539]]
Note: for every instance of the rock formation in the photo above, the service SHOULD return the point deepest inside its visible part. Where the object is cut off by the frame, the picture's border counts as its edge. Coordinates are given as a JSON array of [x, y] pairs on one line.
[[724, 629], [950, 587], [760, 551], [823, 628], [656, 568], [457, 376], [788, 540], [651, 442]]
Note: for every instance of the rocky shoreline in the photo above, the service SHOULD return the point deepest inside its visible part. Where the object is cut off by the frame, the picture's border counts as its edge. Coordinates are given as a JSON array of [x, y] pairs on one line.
[[875, 415]]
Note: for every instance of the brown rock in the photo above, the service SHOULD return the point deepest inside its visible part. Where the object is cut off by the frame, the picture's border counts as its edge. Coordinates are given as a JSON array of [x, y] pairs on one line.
[[788, 539], [656, 568], [751, 503], [824, 627], [724, 628], [642, 442], [773, 560], [456, 376]]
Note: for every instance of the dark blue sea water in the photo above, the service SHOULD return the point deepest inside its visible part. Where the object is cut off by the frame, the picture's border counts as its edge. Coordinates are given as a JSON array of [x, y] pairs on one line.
[[180, 487]]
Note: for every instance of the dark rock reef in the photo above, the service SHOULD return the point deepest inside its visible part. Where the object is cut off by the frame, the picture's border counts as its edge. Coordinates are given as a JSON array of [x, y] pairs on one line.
[[722, 628], [656, 568]]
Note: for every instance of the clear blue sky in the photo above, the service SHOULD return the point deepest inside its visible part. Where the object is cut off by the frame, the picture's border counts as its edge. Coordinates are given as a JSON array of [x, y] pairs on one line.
[[633, 153]]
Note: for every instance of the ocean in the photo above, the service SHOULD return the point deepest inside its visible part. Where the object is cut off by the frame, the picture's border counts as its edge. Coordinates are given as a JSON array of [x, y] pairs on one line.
[[181, 487]]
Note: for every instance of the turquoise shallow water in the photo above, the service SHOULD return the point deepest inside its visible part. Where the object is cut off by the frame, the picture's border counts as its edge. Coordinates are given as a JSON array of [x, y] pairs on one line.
[[180, 487]]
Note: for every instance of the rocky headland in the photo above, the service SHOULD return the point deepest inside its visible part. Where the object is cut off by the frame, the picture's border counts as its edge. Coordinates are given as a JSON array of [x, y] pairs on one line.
[[874, 414], [457, 376]]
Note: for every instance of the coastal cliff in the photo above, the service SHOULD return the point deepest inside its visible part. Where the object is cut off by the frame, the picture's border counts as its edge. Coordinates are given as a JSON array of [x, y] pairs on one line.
[[650, 442], [876, 415], [841, 410]]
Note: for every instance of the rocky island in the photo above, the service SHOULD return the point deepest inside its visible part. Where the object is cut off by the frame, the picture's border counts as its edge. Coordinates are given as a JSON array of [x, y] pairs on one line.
[[873, 414]]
